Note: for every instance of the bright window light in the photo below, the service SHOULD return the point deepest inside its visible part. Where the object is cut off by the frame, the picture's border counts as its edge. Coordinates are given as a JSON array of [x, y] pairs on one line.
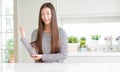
[[88, 29]]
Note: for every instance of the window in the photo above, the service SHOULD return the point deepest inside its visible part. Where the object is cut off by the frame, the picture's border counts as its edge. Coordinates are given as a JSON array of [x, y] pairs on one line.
[[90, 26], [87, 29], [6, 30]]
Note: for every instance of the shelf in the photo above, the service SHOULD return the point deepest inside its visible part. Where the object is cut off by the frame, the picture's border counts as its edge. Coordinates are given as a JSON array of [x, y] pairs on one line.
[[93, 53], [90, 15]]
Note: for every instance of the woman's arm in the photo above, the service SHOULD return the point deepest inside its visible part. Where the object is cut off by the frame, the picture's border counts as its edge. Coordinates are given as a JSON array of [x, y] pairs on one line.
[[25, 41], [28, 46], [63, 49], [58, 56]]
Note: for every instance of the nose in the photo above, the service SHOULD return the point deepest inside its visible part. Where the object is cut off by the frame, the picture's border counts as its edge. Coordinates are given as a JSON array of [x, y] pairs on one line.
[[46, 16]]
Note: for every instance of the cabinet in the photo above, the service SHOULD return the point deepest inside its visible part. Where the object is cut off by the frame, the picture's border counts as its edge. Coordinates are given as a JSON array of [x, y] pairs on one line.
[[78, 8], [93, 57]]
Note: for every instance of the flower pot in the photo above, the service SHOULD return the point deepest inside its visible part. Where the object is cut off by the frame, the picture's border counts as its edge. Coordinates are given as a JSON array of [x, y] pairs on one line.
[[93, 45], [11, 60], [108, 44], [82, 49], [118, 45], [73, 46]]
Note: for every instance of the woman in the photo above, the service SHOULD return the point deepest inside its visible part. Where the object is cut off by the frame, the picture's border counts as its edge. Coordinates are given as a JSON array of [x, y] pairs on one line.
[[49, 43]]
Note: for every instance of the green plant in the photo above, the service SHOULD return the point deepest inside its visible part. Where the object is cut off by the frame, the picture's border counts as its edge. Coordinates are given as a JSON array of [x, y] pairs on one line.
[[82, 42], [10, 45], [73, 39], [95, 37], [9, 49]]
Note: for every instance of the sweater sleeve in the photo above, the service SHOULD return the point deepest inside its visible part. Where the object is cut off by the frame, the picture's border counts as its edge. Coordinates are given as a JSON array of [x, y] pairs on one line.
[[30, 47], [63, 49]]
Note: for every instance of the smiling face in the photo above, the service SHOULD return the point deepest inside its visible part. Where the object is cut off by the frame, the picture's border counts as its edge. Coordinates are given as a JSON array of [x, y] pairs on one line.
[[46, 15]]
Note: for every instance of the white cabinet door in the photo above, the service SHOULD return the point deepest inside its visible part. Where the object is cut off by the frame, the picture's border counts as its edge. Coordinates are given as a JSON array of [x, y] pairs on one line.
[[79, 59], [89, 7], [106, 59], [93, 59]]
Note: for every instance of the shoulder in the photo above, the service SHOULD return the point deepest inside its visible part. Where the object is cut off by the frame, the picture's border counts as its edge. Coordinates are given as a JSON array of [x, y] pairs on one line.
[[62, 32], [35, 31], [34, 34]]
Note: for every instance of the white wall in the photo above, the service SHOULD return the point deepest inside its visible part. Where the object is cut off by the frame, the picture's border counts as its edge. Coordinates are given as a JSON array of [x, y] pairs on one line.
[[27, 15]]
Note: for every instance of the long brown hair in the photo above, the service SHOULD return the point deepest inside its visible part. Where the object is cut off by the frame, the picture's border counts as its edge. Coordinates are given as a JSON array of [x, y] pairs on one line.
[[54, 30]]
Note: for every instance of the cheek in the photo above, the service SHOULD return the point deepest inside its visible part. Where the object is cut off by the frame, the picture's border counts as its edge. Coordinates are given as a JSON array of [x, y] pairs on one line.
[[50, 17], [42, 17]]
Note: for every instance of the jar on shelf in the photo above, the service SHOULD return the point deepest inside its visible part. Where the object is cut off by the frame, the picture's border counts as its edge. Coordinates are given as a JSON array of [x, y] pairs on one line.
[[108, 43]]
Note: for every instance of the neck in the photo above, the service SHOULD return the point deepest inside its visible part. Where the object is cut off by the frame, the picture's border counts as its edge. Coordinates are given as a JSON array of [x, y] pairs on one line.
[[47, 28]]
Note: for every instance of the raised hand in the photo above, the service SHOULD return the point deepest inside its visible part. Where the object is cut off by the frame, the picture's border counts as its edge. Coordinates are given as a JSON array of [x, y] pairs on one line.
[[22, 30]]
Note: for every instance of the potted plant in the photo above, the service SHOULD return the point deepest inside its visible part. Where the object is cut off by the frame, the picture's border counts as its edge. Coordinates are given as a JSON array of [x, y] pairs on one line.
[[94, 43], [82, 44], [73, 43], [10, 48]]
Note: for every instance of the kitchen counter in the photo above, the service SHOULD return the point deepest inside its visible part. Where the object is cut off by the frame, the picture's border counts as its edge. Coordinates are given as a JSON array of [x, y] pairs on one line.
[[61, 67]]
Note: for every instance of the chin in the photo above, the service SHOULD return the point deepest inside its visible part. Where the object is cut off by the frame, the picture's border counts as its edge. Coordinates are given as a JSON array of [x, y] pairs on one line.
[[47, 23]]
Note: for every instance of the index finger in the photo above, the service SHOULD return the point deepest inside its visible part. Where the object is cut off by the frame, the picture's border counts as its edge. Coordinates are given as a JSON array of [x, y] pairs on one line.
[[19, 25]]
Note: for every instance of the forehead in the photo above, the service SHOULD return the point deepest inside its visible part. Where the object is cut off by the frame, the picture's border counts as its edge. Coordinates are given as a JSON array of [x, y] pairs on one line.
[[46, 9]]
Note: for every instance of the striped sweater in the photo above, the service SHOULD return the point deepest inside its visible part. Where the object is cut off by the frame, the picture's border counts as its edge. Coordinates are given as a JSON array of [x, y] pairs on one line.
[[47, 57]]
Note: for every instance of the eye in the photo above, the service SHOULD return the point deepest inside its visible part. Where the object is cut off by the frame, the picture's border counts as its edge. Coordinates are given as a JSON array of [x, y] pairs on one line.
[[48, 13]]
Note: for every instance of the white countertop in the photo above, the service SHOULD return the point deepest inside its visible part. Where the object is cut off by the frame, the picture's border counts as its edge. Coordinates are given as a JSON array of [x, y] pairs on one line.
[[93, 53], [60, 67]]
